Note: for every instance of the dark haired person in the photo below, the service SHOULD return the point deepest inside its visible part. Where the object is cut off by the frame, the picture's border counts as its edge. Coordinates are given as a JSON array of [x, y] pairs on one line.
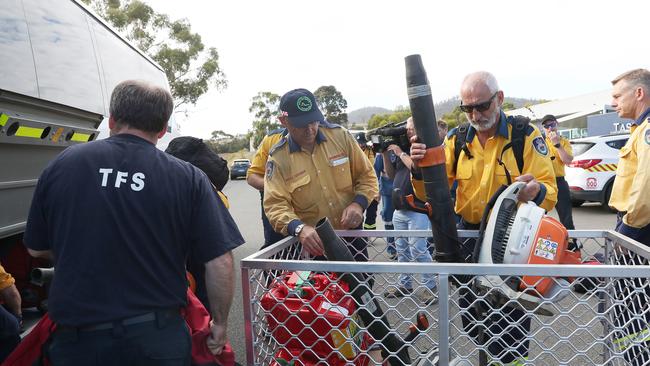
[[561, 154], [118, 217]]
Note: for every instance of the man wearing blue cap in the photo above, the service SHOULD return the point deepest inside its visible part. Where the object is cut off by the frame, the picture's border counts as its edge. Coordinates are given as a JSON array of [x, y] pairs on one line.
[[316, 171]]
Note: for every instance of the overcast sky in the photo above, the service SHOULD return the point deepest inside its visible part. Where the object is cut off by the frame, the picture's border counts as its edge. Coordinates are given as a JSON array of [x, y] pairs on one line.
[[537, 49]]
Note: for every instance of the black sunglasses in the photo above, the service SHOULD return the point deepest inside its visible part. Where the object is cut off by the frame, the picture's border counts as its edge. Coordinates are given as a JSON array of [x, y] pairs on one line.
[[481, 107]]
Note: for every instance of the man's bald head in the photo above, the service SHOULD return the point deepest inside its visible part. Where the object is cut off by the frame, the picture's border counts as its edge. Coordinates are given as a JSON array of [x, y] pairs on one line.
[[479, 80]]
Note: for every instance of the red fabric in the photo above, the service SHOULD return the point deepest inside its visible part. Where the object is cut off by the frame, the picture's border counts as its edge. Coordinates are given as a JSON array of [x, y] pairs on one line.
[[196, 317], [198, 320], [29, 349]]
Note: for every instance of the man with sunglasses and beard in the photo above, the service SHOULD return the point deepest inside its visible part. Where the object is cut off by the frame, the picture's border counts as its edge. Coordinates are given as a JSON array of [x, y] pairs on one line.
[[485, 163]]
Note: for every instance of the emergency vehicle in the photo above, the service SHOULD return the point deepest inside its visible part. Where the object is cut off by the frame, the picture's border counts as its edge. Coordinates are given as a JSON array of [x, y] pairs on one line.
[[593, 169], [59, 63]]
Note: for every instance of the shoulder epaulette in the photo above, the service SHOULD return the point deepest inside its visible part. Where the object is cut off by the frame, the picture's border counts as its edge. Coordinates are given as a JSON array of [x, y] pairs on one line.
[[278, 131], [327, 124], [278, 145]]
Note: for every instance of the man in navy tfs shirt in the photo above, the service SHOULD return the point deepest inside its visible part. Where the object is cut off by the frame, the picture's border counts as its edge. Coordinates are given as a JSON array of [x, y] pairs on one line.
[[118, 217]]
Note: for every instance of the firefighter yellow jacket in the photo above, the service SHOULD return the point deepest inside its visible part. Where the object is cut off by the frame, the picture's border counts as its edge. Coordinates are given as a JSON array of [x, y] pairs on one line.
[[261, 156], [481, 175], [632, 183], [6, 279], [303, 187], [558, 165]]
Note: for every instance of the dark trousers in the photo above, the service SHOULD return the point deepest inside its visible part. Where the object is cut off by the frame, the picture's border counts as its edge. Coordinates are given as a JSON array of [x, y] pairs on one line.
[[161, 342], [632, 317], [270, 235], [9, 333], [505, 332], [563, 205]]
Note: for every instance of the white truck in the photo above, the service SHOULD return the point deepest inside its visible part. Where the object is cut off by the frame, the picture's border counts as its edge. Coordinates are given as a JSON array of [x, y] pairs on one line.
[[59, 63]]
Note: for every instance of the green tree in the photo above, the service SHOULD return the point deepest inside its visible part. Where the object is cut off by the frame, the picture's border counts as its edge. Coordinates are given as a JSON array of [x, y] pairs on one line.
[[264, 107], [507, 106], [331, 102], [218, 134], [455, 117], [190, 68], [398, 115]]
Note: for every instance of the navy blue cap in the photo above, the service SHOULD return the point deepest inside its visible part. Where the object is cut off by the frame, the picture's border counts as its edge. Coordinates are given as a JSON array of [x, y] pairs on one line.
[[301, 108]]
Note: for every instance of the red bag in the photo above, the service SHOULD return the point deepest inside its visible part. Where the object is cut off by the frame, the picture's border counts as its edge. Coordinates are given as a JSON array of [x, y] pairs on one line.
[[197, 318]]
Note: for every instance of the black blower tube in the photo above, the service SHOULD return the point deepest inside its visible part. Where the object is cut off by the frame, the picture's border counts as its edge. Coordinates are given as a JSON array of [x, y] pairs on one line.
[[441, 213], [372, 315]]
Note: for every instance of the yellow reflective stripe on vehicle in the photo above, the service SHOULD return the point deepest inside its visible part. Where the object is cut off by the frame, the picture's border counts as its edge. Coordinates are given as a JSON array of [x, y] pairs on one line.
[[3, 119], [603, 168], [24, 131], [80, 137], [624, 343]]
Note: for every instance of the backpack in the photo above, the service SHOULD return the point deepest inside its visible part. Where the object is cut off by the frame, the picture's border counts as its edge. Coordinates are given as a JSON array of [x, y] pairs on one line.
[[198, 153], [519, 127]]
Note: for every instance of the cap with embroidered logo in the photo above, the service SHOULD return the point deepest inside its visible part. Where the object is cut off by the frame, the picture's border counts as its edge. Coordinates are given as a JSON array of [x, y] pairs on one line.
[[301, 108]]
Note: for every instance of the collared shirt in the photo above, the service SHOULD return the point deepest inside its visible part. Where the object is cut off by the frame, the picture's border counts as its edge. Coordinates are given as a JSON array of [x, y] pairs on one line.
[[632, 183], [120, 214], [6, 279], [261, 156], [558, 165], [479, 177], [303, 187]]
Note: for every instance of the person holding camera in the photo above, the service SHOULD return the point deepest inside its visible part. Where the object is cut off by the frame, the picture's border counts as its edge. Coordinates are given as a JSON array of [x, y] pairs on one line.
[[409, 249]]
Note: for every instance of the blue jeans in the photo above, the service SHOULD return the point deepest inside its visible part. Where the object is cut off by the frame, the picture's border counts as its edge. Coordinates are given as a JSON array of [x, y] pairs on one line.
[[387, 211], [412, 249]]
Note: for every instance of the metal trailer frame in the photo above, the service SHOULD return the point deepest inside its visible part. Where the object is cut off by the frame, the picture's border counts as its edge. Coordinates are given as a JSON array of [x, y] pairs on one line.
[[625, 260]]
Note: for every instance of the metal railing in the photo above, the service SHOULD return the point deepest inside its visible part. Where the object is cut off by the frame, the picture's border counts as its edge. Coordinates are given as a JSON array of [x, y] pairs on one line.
[[597, 314]]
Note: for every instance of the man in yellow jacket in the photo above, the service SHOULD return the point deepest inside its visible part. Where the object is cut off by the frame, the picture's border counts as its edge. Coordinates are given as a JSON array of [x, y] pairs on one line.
[[561, 154], [10, 314], [631, 198], [484, 164], [317, 171]]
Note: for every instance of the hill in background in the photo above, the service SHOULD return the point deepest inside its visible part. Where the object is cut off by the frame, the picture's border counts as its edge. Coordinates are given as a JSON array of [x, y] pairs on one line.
[[360, 117]]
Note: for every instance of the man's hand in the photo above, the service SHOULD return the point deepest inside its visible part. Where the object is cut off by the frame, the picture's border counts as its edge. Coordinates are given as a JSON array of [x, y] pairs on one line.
[[352, 216], [530, 191], [417, 149], [395, 149], [311, 241], [217, 339], [554, 137]]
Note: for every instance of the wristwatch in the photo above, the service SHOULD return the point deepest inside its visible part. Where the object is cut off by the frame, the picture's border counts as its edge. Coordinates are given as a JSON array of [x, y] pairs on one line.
[[298, 229], [557, 145]]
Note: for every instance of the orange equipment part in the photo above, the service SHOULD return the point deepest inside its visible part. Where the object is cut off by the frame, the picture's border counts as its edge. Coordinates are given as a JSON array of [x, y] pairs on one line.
[[551, 243]]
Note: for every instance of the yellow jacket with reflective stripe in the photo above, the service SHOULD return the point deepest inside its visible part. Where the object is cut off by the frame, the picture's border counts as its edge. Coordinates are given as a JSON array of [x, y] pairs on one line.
[[479, 177], [558, 165], [630, 192], [304, 186], [259, 160], [6, 279]]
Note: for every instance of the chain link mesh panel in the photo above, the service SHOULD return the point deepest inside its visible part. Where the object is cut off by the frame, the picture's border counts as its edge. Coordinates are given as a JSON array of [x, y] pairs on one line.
[[301, 312]]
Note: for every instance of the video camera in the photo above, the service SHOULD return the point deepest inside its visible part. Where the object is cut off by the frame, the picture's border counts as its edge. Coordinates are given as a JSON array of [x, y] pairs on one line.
[[390, 134]]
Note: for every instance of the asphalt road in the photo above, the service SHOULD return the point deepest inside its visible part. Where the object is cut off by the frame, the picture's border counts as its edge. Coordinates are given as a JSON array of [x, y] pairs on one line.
[[245, 209]]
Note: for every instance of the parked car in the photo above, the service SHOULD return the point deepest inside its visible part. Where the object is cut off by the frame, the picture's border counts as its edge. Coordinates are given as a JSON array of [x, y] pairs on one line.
[[593, 169], [239, 168]]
